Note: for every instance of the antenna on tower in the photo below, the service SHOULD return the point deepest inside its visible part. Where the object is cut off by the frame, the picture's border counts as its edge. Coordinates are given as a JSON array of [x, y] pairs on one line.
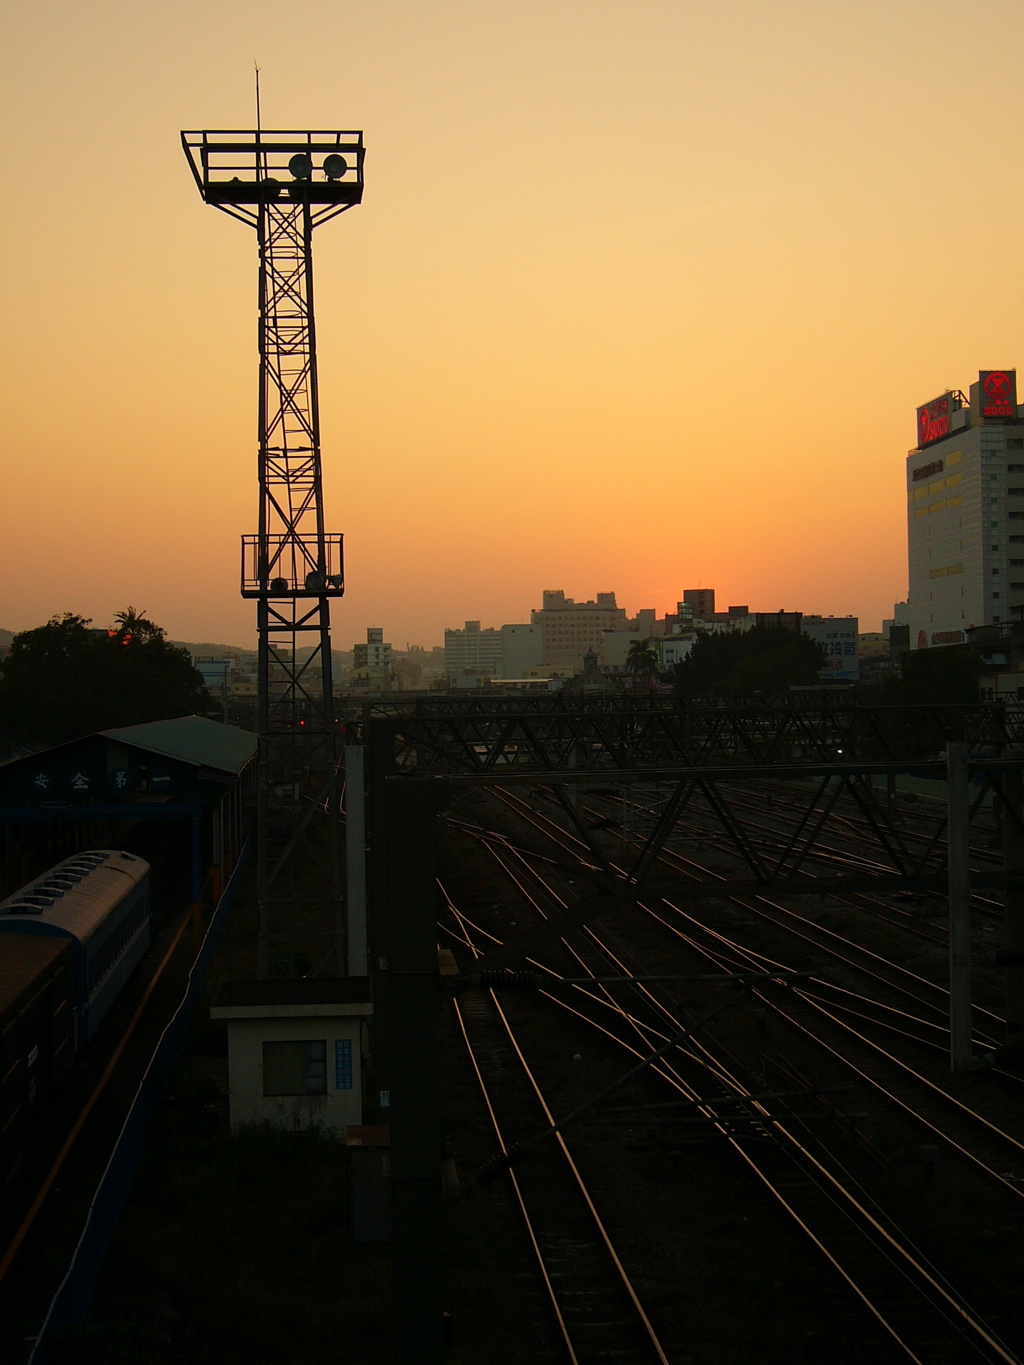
[[259, 125]]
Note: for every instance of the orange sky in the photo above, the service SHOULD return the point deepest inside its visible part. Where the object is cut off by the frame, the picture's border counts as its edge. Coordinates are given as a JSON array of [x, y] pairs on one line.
[[642, 295]]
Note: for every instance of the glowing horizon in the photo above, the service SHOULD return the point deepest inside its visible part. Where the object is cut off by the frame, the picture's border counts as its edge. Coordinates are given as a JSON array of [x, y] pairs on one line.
[[638, 299]]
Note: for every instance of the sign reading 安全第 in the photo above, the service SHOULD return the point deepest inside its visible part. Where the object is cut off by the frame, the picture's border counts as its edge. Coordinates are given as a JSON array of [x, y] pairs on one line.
[[933, 419], [998, 393]]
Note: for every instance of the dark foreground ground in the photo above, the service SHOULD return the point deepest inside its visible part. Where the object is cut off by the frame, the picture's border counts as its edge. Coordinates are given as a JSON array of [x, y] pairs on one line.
[[237, 1250]]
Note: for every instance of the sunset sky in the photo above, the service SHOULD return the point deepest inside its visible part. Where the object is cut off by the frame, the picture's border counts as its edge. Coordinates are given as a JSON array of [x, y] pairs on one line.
[[642, 296]]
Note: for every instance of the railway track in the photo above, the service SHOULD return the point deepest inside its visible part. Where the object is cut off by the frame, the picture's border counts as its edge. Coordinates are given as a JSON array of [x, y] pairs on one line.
[[893, 1304], [893, 981], [935, 1342], [595, 1310], [818, 997], [701, 831]]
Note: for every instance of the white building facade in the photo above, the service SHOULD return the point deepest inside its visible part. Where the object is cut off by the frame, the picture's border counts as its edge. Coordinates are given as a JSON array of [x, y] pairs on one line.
[[295, 1051], [965, 512], [472, 650], [375, 653], [521, 650], [569, 628]]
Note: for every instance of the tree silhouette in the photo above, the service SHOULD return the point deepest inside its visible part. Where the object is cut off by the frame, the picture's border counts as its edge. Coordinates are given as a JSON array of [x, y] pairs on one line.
[[132, 626], [767, 659], [642, 661], [67, 679], [929, 676]]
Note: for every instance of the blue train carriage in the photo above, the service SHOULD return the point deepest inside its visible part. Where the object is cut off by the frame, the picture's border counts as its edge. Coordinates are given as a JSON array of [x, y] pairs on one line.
[[36, 1036], [100, 902]]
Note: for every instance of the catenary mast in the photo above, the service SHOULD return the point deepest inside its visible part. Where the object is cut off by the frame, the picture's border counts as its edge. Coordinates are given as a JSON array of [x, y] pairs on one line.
[[285, 184]]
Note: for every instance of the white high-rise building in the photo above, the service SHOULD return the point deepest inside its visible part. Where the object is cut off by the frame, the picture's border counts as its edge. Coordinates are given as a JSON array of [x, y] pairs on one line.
[[965, 512], [472, 650]]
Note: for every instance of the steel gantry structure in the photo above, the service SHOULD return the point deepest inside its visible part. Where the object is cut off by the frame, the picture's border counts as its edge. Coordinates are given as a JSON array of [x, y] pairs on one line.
[[285, 184], [553, 733], [422, 754]]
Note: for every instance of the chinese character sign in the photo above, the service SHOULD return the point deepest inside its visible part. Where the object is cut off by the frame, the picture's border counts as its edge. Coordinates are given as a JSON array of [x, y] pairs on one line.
[[839, 640], [933, 419]]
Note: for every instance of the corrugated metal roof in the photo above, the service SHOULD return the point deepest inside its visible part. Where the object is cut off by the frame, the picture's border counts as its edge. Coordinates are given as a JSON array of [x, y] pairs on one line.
[[191, 739], [76, 911]]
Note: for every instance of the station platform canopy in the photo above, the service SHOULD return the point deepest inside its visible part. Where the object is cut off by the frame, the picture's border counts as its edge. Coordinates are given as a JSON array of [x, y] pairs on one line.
[[188, 758]]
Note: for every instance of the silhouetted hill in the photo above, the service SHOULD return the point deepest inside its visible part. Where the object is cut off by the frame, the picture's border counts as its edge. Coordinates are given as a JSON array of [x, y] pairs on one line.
[[205, 650]]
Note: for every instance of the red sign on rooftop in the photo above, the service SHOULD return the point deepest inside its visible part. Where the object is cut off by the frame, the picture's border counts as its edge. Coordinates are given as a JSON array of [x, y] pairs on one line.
[[998, 393], [933, 419]]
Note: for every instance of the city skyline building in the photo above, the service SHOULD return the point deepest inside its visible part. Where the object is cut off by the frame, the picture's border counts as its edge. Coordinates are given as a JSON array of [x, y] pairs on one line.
[[522, 650], [373, 663], [563, 632], [569, 628], [375, 653], [702, 600], [472, 650], [965, 512]]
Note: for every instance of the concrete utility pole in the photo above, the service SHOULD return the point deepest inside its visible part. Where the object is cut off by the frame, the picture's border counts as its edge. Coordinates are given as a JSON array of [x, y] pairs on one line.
[[958, 813], [355, 858], [1013, 924], [407, 1004]]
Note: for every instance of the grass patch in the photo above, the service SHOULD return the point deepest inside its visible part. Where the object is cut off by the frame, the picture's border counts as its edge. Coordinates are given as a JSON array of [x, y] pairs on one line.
[[235, 1250]]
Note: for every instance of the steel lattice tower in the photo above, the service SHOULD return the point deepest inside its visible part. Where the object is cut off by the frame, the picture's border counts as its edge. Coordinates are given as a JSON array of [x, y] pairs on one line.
[[285, 184]]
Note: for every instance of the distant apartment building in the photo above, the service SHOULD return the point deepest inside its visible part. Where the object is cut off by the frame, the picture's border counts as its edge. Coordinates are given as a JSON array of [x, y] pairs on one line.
[[670, 648], [702, 602], [569, 628], [647, 625], [243, 680], [965, 512], [698, 604], [780, 620], [673, 650], [521, 650], [614, 649], [472, 650], [375, 653], [408, 673], [373, 664]]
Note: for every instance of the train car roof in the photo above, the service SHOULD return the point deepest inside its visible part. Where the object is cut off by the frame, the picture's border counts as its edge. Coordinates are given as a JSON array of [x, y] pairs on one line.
[[74, 898], [23, 960]]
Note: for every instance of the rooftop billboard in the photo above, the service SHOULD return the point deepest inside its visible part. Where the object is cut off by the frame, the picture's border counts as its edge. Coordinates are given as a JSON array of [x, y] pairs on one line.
[[933, 419], [998, 392]]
